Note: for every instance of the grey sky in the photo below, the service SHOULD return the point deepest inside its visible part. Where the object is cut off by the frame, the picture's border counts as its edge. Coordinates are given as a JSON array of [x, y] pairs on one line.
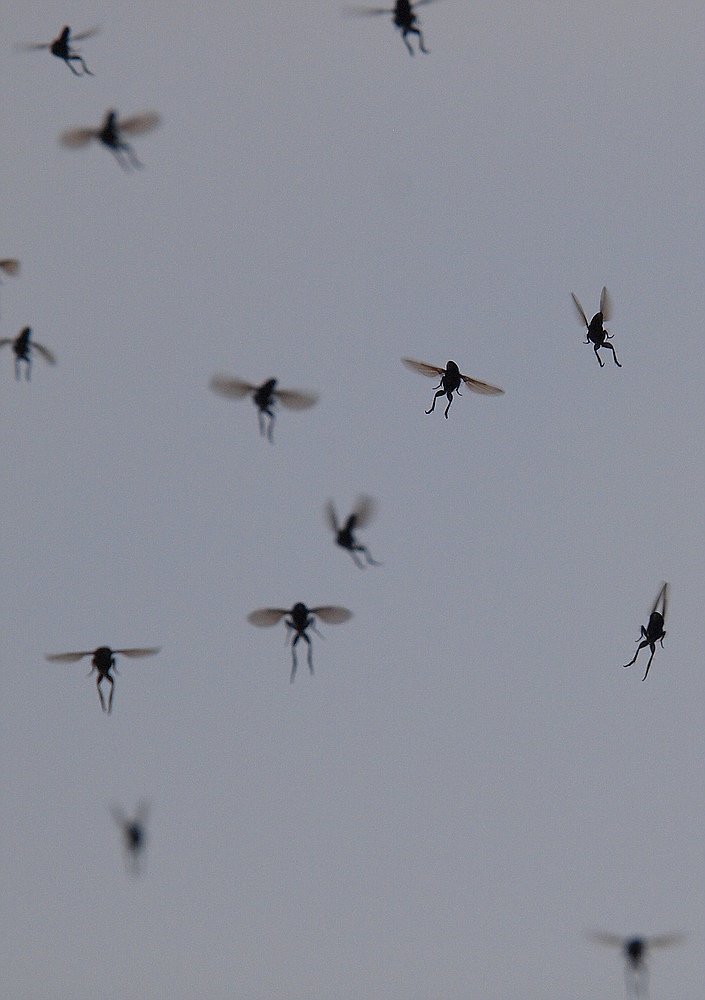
[[470, 781]]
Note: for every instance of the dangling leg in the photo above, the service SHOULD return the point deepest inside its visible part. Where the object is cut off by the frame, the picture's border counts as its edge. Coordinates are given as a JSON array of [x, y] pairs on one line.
[[449, 394], [100, 692], [423, 48], [441, 392], [614, 353], [131, 155], [310, 657], [352, 549], [270, 429], [293, 658], [642, 645], [81, 60], [66, 60], [406, 41], [368, 557], [653, 650], [602, 364]]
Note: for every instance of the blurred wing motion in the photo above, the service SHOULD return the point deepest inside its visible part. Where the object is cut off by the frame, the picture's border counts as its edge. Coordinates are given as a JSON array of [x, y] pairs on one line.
[[32, 46], [10, 265], [5, 341], [662, 595], [581, 311], [67, 657], [331, 517], [139, 124], [295, 400], [605, 305], [265, 617], [233, 388], [665, 940], [418, 366], [364, 510], [138, 652], [482, 387], [611, 940], [366, 11], [45, 352], [90, 32], [75, 138], [332, 615]]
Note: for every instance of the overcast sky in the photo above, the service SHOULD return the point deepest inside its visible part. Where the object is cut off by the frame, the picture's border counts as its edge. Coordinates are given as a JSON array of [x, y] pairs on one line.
[[470, 782]]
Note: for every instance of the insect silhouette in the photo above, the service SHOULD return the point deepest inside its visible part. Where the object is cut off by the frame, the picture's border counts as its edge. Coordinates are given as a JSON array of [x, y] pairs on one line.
[[10, 266], [111, 132], [23, 346], [635, 951], [300, 619], [103, 663], [344, 535], [61, 48], [264, 397], [451, 377], [403, 18], [134, 833], [654, 631], [596, 333]]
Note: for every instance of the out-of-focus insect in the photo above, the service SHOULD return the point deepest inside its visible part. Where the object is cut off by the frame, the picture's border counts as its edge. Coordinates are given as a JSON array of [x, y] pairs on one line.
[[596, 333], [403, 17], [264, 397], [9, 265], [134, 833], [451, 377], [23, 346], [61, 48], [103, 663], [361, 515], [654, 631], [300, 619], [635, 951], [111, 132]]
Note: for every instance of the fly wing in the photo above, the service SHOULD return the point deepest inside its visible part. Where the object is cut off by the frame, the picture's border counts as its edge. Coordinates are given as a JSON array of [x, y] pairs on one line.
[[482, 387], [33, 46], [611, 940], [233, 388], [581, 311], [662, 596], [67, 657], [133, 653], [45, 352], [10, 265], [5, 340], [265, 617], [418, 366], [366, 11], [364, 510], [139, 124], [90, 32], [665, 940], [331, 517], [75, 138], [295, 400], [605, 305], [332, 615]]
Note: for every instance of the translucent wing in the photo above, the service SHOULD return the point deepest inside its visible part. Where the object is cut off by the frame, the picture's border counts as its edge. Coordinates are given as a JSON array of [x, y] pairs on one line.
[[420, 3], [67, 657], [662, 596], [605, 305], [142, 812], [295, 400], [233, 388], [611, 940], [75, 138], [332, 615], [331, 517], [366, 11], [5, 340], [418, 366], [482, 387], [581, 311], [90, 32], [119, 816], [139, 124], [265, 617], [665, 940], [45, 352], [133, 653], [10, 265], [33, 46], [364, 510]]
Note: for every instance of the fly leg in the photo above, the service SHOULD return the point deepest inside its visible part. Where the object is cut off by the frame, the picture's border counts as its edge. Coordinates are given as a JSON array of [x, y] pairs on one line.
[[407, 42], [648, 665], [614, 353], [441, 392], [83, 65], [368, 557], [642, 645], [602, 364], [112, 692], [293, 657], [422, 47], [310, 653], [449, 394], [352, 550], [100, 691]]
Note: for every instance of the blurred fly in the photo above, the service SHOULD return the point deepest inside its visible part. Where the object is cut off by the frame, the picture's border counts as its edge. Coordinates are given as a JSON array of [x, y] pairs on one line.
[[23, 346], [451, 379], [344, 534], [596, 333], [61, 48], [103, 663], [10, 266], [264, 397], [635, 950], [403, 18], [134, 833], [111, 132], [654, 631], [300, 619]]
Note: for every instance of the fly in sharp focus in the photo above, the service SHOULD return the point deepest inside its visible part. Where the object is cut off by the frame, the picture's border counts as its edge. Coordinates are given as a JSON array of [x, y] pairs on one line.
[[110, 134], [103, 664], [596, 333], [654, 631], [451, 378], [299, 621], [264, 397]]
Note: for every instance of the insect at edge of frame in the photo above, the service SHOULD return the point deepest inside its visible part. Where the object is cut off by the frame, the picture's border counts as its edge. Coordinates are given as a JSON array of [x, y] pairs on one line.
[[110, 134], [300, 619], [403, 17], [361, 515], [265, 397], [596, 334], [653, 632], [103, 663], [23, 346], [61, 48], [635, 950], [451, 379]]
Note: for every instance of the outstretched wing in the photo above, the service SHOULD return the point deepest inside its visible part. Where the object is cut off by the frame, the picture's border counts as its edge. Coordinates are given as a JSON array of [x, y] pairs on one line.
[[90, 32], [423, 369], [332, 615], [581, 311], [233, 388], [605, 305], [665, 940], [67, 657], [75, 138], [295, 400], [133, 653], [482, 387], [32, 46], [611, 940], [662, 596], [139, 124], [44, 351], [364, 510], [331, 517], [10, 265], [6, 340], [265, 617], [366, 11]]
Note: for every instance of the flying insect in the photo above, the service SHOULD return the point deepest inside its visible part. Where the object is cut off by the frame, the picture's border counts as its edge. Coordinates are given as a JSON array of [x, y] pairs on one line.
[[451, 378], [103, 663], [596, 333], [111, 132], [61, 48], [10, 266], [300, 619], [635, 951], [23, 346], [134, 833], [264, 397], [654, 631], [403, 18], [361, 515]]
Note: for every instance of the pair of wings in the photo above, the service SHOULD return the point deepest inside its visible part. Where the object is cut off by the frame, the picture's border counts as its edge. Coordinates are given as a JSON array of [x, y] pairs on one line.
[[44, 351], [605, 307], [75, 657], [125, 822], [75, 138], [616, 941], [10, 265], [363, 511], [329, 614], [235, 388], [662, 599], [371, 11], [36, 46], [434, 372]]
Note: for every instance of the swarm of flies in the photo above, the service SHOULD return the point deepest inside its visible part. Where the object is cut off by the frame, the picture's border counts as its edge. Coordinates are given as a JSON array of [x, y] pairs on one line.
[[654, 631], [300, 618], [103, 662], [24, 346], [264, 397], [451, 377], [61, 48], [403, 18], [344, 534], [635, 950], [111, 132], [596, 333], [134, 833]]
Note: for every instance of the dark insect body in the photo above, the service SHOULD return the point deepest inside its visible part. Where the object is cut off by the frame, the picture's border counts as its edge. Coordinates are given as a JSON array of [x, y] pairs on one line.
[[635, 951], [403, 18], [300, 619], [264, 397], [134, 833], [61, 48], [596, 333], [110, 134], [23, 346], [103, 662], [344, 534], [451, 379], [10, 266], [654, 631]]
